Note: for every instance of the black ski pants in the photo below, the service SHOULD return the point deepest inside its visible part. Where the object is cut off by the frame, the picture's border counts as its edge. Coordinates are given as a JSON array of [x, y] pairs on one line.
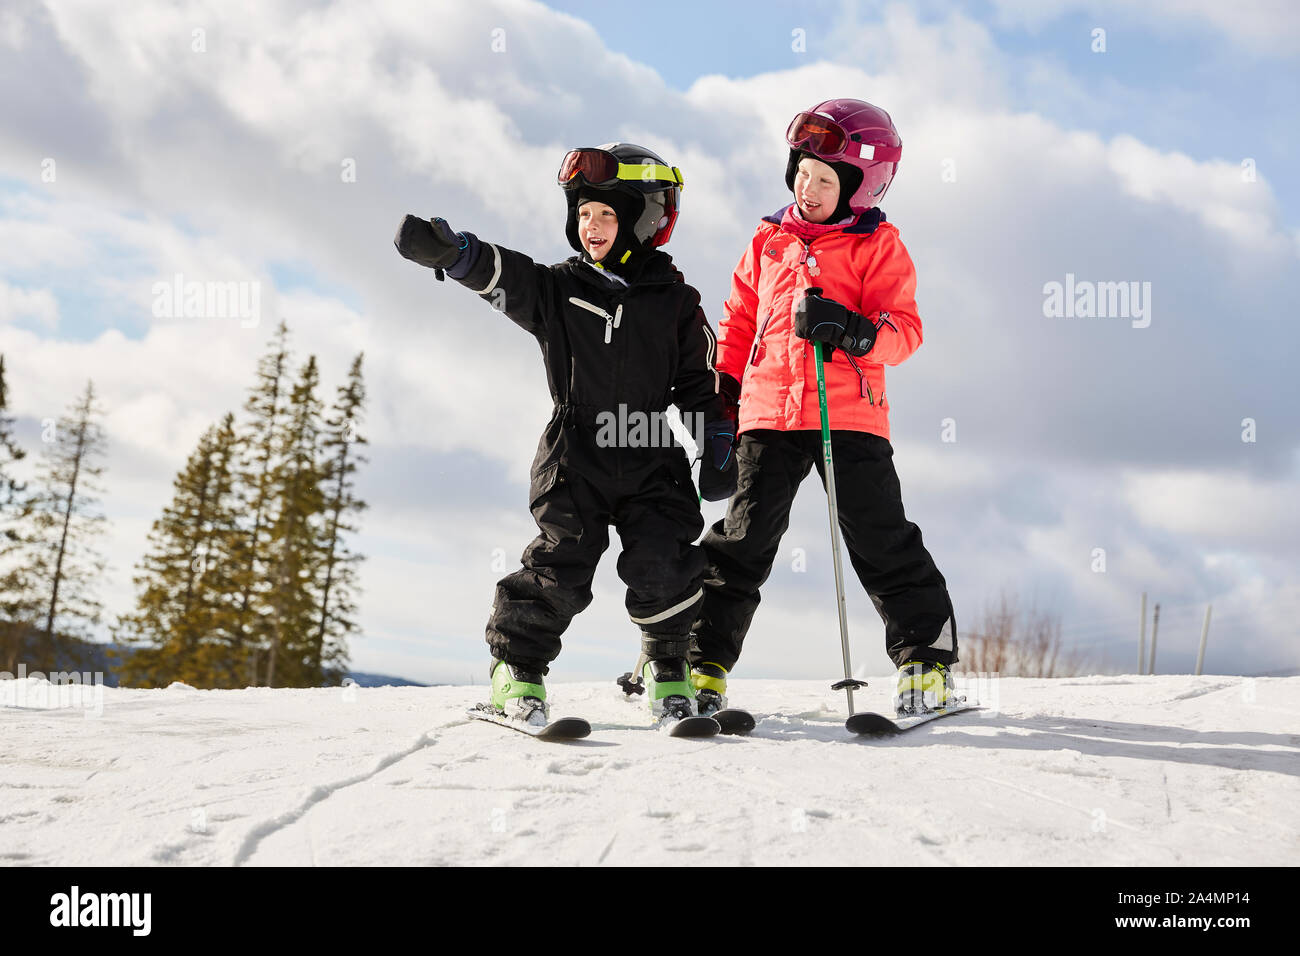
[[884, 548], [657, 518]]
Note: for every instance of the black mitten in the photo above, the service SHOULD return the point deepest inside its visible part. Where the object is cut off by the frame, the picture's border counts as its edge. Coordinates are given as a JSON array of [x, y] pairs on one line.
[[718, 464], [820, 319], [431, 244]]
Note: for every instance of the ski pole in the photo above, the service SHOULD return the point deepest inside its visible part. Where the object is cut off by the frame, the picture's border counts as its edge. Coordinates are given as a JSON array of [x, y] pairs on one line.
[[850, 682], [632, 682]]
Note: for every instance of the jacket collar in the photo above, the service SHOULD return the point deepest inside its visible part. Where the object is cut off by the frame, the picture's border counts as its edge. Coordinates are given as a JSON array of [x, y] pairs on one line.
[[657, 268], [865, 224]]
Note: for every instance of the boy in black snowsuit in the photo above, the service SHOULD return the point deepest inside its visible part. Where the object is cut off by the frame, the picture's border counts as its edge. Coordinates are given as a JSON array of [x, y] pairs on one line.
[[622, 336]]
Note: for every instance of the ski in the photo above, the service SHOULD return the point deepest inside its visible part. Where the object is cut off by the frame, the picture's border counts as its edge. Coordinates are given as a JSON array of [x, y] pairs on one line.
[[734, 721], [878, 725], [692, 726], [563, 728]]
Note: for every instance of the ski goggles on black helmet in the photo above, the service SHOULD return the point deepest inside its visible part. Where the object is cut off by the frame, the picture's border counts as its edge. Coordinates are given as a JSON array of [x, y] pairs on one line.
[[828, 140], [600, 167]]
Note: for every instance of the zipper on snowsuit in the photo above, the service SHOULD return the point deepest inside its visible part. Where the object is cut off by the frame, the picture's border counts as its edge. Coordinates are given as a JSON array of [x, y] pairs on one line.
[[611, 321]]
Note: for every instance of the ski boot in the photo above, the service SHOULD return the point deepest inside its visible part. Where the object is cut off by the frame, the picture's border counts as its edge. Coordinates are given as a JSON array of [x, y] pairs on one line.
[[519, 694], [710, 683], [923, 686], [667, 678], [669, 688]]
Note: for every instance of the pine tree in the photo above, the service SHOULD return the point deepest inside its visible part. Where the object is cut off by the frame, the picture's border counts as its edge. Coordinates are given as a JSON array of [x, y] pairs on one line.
[[184, 625], [63, 561], [227, 554], [337, 606], [18, 600], [10, 489], [259, 459], [296, 538]]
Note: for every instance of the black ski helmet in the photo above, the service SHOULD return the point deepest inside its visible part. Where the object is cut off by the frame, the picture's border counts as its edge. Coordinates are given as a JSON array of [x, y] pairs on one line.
[[646, 195]]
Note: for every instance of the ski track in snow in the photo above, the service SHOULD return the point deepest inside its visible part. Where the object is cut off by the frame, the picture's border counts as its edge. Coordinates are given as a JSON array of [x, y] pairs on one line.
[[317, 794], [1167, 770]]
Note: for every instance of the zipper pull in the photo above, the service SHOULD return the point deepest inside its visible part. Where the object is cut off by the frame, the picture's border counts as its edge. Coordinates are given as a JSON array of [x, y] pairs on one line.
[[618, 315], [863, 387], [609, 326], [753, 350]]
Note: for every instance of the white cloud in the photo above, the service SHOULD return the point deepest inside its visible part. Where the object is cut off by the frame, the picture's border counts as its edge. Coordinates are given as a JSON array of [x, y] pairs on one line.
[[13, 31], [35, 233], [38, 304], [1259, 26], [1217, 509], [1219, 192]]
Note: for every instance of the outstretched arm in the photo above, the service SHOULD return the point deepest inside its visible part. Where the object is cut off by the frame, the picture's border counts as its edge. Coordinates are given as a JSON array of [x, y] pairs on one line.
[[509, 281]]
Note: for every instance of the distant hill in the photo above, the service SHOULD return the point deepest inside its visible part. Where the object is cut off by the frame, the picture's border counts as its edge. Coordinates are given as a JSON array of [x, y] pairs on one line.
[[383, 680], [92, 657]]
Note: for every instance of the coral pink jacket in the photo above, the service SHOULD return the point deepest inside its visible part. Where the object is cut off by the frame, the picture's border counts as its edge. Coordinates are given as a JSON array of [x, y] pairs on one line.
[[863, 266]]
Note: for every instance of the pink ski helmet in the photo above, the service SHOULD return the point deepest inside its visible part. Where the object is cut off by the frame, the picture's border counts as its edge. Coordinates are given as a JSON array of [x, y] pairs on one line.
[[853, 132]]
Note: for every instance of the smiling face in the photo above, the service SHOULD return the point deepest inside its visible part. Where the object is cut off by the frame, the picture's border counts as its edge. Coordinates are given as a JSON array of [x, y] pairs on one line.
[[816, 189], [597, 228]]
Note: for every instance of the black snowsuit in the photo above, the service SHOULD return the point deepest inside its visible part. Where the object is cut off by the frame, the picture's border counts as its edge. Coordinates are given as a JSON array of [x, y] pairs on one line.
[[605, 344]]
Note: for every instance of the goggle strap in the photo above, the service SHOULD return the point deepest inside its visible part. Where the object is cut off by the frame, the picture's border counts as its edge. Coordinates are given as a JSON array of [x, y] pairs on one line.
[[650, 172], [879, 153], [629, 172]]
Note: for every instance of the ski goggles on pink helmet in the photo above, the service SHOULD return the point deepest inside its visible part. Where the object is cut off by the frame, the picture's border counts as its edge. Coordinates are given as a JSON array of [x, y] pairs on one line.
[[829, 141]]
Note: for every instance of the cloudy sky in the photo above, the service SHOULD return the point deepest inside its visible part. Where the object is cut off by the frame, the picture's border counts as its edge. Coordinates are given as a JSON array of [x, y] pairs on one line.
[[279, 144]]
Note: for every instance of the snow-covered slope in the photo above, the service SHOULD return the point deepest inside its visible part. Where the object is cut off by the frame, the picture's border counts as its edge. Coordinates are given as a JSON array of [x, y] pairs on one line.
[[1082, 771]]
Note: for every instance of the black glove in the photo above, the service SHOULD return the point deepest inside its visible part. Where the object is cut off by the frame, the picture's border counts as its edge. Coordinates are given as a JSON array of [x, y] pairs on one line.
[[718, 464], [431, 244], [825, 320]]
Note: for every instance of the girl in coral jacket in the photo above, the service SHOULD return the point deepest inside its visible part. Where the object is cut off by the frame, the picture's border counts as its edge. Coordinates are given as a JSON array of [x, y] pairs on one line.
[[826, 268]]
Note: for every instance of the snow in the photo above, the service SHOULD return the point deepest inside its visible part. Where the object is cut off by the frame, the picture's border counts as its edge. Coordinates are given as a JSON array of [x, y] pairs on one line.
[[1095, 771]]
